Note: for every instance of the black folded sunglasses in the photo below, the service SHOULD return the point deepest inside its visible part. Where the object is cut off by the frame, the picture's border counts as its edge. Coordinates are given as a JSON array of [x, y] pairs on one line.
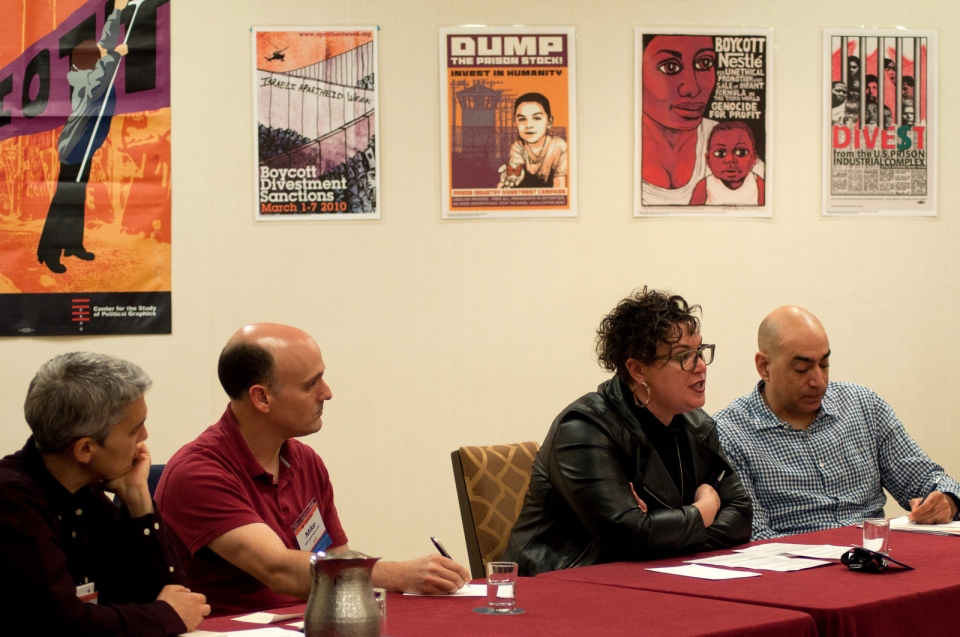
[[867, 561]]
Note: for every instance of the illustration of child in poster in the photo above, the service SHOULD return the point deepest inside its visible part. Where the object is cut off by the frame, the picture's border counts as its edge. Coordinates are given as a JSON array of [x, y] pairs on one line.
[[537, 159], [316, 115], [731, 156], [85, 167], [689, 82], [507, 122]]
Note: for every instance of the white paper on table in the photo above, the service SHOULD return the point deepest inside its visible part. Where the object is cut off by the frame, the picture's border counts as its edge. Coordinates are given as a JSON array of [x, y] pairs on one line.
[[272, 631], [773, 548], [298, 625], [468, 590], [703, 572], [266, 618], [823, 551], [779, 563], [903, 523]]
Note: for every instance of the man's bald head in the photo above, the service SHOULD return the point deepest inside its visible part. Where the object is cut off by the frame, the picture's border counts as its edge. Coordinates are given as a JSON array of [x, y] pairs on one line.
[[785, 323], [794, 364], [249, 357]]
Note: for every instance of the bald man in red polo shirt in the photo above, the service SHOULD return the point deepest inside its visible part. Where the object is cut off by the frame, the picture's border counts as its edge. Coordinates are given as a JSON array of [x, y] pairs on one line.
[[247, 503]]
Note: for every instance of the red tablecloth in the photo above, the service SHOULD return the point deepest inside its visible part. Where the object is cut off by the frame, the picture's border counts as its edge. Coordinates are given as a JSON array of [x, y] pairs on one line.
[[558, 608], [925, 601]]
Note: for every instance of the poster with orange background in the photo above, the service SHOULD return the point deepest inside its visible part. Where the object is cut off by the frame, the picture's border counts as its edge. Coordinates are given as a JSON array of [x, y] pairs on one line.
[[85, 167], [508, 128]]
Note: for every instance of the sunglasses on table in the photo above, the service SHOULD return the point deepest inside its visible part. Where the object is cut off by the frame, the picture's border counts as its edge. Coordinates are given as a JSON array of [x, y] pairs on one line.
[[867, 561]]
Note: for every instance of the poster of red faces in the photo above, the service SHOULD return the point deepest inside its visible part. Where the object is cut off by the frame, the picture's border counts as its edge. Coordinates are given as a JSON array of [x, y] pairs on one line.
[[703, 117]]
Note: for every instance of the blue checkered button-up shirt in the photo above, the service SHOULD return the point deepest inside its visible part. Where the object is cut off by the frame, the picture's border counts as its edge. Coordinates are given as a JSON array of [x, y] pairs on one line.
[[832, 474]]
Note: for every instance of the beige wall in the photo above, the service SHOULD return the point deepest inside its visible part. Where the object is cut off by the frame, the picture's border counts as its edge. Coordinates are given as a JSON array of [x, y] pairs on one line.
[[443, 333]]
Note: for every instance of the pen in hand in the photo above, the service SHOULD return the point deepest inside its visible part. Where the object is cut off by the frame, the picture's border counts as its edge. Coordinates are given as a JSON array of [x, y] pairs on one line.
[[916, 502], [440, 548]]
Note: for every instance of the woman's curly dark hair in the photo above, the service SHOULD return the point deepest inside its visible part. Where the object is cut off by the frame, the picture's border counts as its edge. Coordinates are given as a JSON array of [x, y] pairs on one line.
[[639, 324]]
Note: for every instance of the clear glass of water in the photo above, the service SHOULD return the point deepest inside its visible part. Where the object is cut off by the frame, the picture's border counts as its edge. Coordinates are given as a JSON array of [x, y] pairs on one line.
[[502, 586], [876, 534]]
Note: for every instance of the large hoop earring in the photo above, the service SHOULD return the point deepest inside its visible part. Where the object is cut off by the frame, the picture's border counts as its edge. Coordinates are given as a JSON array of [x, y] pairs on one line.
[[636, 400]]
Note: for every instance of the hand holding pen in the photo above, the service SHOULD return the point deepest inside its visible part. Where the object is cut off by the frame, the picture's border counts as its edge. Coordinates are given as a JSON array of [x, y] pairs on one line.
[[936, 508]]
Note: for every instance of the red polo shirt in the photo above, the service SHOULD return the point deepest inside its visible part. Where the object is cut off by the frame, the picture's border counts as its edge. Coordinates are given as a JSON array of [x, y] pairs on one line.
[[214, 485]]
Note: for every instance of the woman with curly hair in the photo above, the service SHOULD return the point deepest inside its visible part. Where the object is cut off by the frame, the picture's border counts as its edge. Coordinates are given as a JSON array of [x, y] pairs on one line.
[[634, 471]]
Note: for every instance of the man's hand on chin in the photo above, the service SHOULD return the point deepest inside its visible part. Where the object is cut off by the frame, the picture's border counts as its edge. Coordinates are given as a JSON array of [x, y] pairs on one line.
[[131, 485]]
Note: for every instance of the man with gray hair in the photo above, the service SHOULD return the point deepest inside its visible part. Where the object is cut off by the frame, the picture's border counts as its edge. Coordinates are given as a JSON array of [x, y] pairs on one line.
[[73, 562]]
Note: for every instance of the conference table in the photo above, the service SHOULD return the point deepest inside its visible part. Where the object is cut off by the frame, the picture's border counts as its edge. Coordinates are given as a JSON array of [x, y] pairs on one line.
[[625, 598], [924, 601], [559, 608]]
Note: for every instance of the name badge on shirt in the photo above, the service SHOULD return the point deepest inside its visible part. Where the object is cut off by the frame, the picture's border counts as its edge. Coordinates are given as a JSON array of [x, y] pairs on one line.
[[87, 593], [311, 533]]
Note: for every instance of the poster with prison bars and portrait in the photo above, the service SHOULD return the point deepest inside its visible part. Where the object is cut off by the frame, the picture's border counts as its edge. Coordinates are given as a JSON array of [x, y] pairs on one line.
[[879, 122], [508, 122]]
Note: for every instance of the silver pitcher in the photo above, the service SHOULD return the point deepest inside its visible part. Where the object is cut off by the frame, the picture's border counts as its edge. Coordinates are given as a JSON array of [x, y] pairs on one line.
[[341, 601]]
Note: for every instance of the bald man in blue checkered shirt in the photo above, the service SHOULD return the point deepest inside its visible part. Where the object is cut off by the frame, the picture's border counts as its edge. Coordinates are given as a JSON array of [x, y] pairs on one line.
[[816, 455]]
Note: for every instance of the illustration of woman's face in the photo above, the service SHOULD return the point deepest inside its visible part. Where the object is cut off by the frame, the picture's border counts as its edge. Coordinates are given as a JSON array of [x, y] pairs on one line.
[[731, 156], [679, 74], [532, 122]]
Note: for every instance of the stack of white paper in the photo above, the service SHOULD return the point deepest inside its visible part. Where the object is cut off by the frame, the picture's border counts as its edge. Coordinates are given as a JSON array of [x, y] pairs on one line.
[[904, 524], [822, 551], [774, 556], [779, 563]]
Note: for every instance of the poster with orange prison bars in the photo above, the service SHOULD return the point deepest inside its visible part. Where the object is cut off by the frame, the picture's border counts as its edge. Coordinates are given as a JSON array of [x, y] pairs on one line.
[[508, 122], [84, 167], [315, 107]]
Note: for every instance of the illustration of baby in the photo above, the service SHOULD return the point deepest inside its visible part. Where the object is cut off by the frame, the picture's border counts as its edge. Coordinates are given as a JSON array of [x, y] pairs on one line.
[[731, 156], [537, 160]]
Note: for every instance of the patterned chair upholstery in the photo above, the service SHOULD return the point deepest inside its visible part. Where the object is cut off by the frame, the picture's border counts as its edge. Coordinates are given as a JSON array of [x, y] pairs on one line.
[[491, 484]]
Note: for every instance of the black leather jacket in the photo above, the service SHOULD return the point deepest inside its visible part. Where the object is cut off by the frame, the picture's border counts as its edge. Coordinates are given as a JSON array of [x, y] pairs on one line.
[[579, 509]]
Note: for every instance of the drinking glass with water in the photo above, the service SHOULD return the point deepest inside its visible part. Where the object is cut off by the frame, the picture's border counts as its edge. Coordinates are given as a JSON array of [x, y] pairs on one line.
[[502, 586]]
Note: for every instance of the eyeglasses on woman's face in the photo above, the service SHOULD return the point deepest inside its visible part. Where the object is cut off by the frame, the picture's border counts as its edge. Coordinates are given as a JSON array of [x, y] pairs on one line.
[[688, 359]]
